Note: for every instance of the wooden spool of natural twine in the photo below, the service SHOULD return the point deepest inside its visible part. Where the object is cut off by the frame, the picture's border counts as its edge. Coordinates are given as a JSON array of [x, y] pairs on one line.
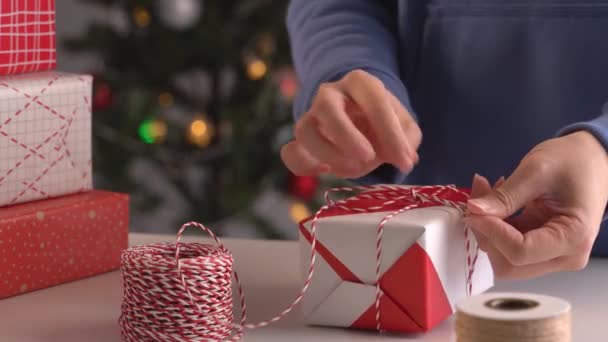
[[511, 317]]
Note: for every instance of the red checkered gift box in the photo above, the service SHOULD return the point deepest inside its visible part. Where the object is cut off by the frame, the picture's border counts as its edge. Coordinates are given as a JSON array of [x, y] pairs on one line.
[[27, 36], [45, 136]]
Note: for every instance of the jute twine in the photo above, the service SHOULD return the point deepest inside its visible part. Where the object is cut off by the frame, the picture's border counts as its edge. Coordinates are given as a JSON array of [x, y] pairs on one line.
[[473, 328]]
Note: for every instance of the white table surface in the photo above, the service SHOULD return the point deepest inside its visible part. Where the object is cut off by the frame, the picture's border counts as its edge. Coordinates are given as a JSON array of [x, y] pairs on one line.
[[88, 310]]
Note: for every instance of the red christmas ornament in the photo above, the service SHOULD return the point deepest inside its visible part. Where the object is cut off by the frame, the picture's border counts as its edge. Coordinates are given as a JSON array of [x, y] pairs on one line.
[[287, 82], [289, 87], [303, 187], [102, 96]]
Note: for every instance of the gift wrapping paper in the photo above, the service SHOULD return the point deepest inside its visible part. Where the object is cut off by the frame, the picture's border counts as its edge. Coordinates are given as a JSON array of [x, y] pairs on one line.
[[423, 274], [52, 241], [27, 36], [45, 136]]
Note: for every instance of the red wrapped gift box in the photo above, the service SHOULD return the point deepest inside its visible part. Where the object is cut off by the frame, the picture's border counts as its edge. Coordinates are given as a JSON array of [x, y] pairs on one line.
[[428, 261], [48, 242], [27, 36]]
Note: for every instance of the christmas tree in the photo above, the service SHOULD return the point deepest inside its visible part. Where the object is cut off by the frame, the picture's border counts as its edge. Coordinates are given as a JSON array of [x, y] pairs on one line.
[[200, 92]]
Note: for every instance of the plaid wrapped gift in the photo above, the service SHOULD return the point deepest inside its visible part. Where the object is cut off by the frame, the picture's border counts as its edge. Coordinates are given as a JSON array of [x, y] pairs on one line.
[[27, 36], [45, 136]]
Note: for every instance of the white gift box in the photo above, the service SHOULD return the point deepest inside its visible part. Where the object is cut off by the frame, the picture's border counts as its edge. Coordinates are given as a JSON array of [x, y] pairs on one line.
[[45, 136], [424, 269]]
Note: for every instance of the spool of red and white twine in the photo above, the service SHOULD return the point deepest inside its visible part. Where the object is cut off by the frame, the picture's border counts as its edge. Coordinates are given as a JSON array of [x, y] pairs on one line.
[[182, 291]]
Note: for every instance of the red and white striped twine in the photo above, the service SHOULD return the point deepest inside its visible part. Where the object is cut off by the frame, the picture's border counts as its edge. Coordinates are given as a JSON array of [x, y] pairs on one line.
[[182, 291]]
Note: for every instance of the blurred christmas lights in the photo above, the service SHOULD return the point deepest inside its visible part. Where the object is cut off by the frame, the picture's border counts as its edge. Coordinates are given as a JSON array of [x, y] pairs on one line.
[[200, 132], [256, 69], [153, 131], [298, 212], [288, 87], [141, 16], [165, 99], [179, 14]]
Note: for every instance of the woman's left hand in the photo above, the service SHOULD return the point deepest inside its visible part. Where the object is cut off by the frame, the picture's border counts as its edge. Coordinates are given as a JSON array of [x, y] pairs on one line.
[[562, 187]]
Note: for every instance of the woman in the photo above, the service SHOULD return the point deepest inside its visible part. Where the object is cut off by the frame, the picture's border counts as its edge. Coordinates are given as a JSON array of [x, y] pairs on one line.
[[496, 87]]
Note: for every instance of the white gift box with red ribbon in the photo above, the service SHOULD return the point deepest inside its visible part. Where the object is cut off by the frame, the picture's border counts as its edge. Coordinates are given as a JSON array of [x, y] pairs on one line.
[[45, 136], [428, 261]]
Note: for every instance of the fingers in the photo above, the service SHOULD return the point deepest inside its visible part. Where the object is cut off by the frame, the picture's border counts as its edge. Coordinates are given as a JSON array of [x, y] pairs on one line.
[[524, 185], [308, 136], [499, 182], [336, 126], [300, 162], [503, 269], [511, 261], [532, 217], [353, 126], [523, 222], [408, 125], [538, 245], [480, 186], [371, 96]]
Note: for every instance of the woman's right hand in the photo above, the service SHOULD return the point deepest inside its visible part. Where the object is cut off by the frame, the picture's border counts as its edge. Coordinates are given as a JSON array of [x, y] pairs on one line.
[[353, 126]]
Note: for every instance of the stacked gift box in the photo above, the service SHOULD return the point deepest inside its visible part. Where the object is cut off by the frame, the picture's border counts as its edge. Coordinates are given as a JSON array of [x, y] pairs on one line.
[[53, 226]]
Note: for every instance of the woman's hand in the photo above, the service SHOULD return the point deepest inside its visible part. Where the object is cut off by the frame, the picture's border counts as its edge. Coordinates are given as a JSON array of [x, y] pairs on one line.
[[353, 126], [562, 187]]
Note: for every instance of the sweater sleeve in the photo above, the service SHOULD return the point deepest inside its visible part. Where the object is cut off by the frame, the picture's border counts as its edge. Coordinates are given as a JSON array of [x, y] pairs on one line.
[[329, 38], [598, 127]]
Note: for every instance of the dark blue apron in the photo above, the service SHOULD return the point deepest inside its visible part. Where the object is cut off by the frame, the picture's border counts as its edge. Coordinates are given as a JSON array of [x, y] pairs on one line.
[[490, 79]]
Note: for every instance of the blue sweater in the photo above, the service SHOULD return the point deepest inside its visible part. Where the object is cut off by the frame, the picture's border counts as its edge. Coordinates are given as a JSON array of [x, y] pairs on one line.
[[514, 72]]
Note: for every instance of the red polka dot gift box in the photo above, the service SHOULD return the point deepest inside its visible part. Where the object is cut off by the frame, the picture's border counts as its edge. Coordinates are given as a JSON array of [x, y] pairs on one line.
[[53, 241], [391, 258], [27, 36]]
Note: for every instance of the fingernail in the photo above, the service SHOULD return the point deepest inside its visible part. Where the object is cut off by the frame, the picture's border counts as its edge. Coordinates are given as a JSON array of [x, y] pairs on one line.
[[406, 165], [499, 182], [478, 205]]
